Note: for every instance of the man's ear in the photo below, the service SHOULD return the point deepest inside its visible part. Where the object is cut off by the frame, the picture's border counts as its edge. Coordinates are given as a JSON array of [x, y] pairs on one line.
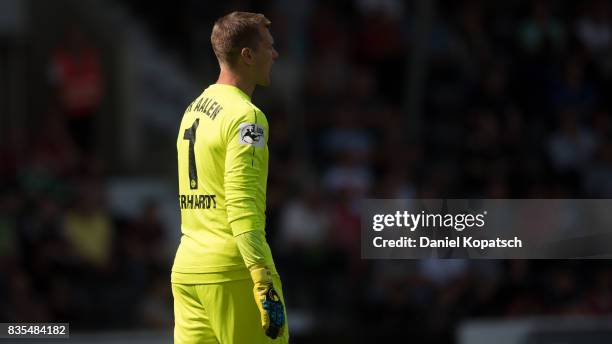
[[246, 54]]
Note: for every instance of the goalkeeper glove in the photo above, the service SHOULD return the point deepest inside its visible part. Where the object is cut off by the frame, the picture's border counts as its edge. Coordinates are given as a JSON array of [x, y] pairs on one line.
[[268, 301]]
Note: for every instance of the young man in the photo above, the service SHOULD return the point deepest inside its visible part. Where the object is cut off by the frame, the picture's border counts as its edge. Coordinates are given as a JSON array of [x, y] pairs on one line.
[[224, 282]]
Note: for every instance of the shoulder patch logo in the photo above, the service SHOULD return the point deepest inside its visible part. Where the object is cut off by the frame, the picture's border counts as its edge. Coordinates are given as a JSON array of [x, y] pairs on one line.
[[251, 134]]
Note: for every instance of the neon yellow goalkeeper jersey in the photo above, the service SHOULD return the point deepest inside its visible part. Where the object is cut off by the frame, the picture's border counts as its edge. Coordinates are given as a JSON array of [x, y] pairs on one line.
[[222, 173]]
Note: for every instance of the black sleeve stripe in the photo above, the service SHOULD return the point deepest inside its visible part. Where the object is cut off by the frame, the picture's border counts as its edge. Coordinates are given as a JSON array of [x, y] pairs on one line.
[[253, 156]]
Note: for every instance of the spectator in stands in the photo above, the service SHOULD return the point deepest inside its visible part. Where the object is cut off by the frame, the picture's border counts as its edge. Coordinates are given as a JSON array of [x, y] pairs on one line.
[[542, 33], [594, 26], [77, 77], [574, 90], [88, 228], [572, 145]]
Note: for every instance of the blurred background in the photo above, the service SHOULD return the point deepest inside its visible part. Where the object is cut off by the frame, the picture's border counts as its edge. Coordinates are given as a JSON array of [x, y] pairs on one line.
[[370, 98]]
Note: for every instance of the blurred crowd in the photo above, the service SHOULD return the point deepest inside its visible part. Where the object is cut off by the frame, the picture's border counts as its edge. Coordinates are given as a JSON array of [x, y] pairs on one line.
[[64, 257], [514, 106]]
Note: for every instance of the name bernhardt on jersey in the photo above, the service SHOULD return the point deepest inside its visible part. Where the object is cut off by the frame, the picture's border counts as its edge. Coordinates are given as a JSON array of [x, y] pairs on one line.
[[197, 201]]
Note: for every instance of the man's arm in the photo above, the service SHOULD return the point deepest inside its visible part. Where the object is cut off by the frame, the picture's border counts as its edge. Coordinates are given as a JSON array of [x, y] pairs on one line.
[[245, 163]]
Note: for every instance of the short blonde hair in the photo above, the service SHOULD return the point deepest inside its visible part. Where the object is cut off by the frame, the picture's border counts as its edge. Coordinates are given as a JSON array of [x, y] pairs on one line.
[[235, 31]]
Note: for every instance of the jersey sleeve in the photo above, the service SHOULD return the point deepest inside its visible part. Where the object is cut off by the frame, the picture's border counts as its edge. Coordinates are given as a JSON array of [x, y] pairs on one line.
[[252, 246], [245, 164]]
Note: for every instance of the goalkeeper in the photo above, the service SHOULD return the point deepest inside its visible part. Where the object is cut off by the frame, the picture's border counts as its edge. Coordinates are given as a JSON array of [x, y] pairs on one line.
[[225, 286]]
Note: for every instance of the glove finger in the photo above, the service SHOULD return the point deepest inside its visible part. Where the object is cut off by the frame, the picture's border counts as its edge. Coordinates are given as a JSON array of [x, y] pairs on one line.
[[273, 331]]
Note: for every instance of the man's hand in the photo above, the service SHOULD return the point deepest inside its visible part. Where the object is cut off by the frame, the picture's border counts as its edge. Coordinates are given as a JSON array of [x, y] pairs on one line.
[[269, 302]]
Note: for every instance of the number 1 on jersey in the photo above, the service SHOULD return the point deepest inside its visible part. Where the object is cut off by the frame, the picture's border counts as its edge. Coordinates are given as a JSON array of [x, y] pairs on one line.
[[190, 134]]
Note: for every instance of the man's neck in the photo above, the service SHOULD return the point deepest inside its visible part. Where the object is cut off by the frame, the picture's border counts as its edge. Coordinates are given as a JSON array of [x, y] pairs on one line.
[[227, 77]]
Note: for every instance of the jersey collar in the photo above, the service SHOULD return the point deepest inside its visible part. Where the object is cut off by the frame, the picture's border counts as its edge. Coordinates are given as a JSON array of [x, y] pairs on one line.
[[232, 89]]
